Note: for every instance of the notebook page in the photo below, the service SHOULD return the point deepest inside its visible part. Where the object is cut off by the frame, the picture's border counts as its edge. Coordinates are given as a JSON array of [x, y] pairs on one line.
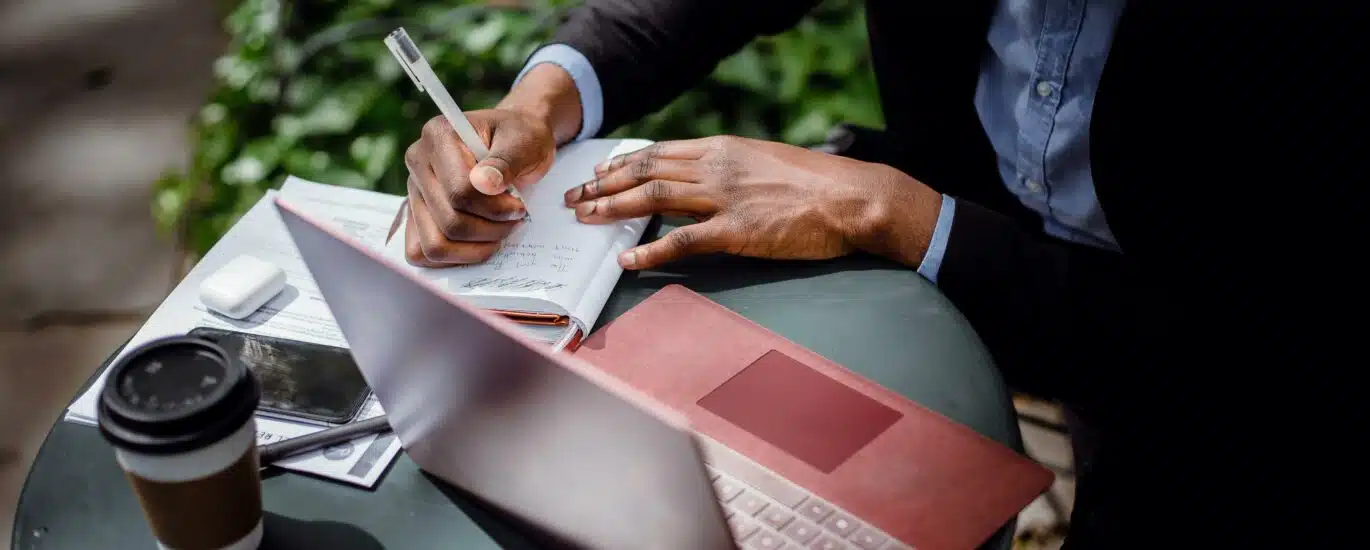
[[552, 258]]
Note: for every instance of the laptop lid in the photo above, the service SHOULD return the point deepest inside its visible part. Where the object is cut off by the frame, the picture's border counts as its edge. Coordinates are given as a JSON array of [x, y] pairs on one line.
[[539, 434]]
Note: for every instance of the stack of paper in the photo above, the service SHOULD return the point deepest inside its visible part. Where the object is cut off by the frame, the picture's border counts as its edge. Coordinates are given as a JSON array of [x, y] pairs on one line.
[[301, 315]]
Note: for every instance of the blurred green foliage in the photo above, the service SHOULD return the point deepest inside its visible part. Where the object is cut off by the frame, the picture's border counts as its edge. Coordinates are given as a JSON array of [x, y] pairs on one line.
[[308, 88]]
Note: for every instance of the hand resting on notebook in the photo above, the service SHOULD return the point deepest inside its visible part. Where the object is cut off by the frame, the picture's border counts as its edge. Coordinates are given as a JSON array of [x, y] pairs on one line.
[[760, 199]]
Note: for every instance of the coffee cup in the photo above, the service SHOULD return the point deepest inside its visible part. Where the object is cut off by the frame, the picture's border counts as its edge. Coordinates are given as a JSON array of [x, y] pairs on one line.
[[179, 414]]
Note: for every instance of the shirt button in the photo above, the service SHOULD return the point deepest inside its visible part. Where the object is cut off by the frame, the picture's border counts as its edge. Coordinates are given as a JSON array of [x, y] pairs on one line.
[[1043, 88], [1033, 186]]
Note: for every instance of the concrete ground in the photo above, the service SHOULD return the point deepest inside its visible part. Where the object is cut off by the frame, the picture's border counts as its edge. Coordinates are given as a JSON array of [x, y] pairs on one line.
[[94, 99]]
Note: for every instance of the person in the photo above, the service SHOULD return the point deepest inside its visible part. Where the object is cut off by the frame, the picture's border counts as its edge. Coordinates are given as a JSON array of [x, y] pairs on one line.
[[1133, 203]]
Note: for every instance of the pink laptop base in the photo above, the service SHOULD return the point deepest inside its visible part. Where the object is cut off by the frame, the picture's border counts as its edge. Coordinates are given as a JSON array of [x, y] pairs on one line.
[[922, 478]]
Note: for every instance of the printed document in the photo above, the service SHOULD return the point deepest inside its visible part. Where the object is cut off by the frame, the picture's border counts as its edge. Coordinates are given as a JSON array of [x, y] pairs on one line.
[[298, 313]]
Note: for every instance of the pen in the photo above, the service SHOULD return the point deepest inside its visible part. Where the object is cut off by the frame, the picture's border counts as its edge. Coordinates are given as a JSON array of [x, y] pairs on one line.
[[296, 446], [418, 69]]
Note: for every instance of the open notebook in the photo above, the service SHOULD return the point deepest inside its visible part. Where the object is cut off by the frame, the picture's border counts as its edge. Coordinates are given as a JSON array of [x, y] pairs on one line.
[[552, 265]]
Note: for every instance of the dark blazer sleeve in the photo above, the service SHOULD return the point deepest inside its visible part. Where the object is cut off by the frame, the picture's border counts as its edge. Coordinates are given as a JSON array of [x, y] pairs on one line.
[[647, 52], [1047, 309]]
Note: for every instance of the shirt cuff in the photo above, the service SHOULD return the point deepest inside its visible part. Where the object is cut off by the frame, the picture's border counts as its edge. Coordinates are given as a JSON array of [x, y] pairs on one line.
[[583, 74], [932, 260]]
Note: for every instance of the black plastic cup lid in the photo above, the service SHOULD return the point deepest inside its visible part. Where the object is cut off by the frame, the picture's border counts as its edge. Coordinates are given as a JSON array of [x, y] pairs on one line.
[[176, 395]]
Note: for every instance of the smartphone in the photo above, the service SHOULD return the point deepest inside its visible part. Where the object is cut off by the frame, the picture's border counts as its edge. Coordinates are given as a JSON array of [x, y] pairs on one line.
[[300, 381]]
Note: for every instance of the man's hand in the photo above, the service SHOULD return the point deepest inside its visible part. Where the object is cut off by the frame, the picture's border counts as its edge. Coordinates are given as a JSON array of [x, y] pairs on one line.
[[760, 199], [458, 209]]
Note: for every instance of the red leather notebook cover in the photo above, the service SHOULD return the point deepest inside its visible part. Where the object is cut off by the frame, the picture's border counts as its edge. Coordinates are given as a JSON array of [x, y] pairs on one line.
[[918, 476]]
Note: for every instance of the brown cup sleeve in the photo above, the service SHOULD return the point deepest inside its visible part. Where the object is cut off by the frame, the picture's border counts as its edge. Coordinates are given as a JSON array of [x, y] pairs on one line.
[[207, 513]]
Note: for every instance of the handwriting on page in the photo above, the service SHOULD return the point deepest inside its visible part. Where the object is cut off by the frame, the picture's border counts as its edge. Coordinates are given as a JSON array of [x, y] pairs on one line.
[[525, 267], [513, 284]]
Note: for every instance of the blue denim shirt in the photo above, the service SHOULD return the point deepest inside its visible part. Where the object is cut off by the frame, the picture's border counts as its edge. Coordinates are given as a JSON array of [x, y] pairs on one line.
[[1034, 98]]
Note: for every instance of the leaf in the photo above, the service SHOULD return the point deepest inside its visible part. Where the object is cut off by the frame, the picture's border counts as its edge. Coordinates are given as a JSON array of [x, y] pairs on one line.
[[386, 69], [217, 143], [796, 63], [374, 154], [342, 177], [256, 161], [483, 37], [169, 200], [809, 129], [253, 18], [246, 198], [213, 113], [363, 50], [305, 89], [265, 90], [709, 125], [861, 103], [305, 163], [745, 69], [513, 53], [237, 71], [333, 114]]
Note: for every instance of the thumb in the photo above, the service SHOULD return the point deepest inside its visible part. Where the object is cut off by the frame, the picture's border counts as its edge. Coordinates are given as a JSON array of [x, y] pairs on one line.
[[685, 241], [512, 154]]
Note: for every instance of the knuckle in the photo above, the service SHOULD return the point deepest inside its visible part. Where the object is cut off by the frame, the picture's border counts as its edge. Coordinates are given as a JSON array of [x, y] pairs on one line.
[[726, 177], [453, 226], [644, 166], [429, 251], [607, 205], [433, 129], [683, 239], [501, 232], [459, 194], [656, 191], [483, 254], [413, 156], [723, 168], [413, 251], [721, 161], [728, 187], [499, 161]]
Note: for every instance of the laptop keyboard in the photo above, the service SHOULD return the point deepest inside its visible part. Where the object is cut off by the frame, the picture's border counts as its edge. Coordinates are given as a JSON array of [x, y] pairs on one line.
[[766, 512]]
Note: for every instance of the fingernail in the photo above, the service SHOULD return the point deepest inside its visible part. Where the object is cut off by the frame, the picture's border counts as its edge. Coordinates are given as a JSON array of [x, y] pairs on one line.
[[515, 215], [628, 259], [574, 194], [586, 208], [493, 179]]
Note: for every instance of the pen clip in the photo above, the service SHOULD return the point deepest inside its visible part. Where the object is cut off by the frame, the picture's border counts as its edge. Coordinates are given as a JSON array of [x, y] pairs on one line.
[[406, 53]]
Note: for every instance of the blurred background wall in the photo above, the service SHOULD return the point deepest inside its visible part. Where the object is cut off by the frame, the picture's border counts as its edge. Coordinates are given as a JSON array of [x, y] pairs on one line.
[[94, 99], [133, 133]]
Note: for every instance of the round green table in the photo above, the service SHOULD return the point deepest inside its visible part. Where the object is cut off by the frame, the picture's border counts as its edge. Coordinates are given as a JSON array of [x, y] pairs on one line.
[[878, 319]]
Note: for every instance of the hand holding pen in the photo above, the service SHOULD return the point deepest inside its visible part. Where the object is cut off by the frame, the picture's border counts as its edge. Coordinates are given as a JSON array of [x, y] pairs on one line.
[[463, 196]]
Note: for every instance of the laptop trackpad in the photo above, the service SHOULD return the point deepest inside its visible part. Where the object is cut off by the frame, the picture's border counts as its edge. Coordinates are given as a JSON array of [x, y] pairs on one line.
[[810, 416]]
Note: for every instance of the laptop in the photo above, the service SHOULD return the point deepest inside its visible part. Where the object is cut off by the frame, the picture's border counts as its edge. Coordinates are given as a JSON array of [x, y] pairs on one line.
[[549, 438]]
